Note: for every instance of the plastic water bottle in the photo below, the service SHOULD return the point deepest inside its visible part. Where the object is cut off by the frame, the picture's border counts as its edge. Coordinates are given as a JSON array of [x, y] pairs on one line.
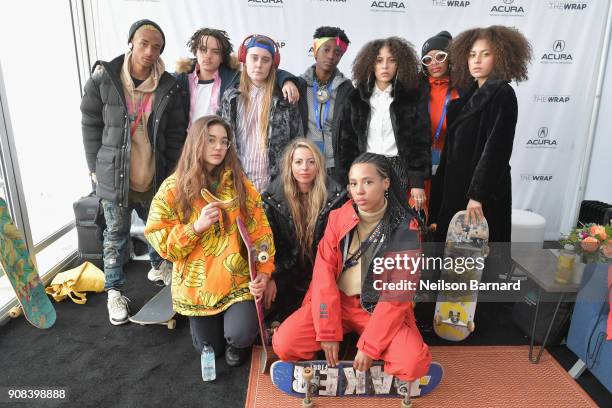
[[208, 363]]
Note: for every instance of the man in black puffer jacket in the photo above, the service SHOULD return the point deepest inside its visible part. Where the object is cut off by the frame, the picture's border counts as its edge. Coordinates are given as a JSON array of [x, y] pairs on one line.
[[133, 132]]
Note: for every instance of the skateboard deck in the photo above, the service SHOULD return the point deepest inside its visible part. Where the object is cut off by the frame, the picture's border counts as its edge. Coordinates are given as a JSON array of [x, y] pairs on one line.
[[22, 274], [252, 257], [158, 310], [344, 381], [455, 308]]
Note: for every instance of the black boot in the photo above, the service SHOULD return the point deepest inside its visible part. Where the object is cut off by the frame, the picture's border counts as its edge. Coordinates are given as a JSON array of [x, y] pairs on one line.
[[234, 356]]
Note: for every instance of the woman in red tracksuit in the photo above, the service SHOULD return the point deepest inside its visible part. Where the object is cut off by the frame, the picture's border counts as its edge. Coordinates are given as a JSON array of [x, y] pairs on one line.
[[374, 223]]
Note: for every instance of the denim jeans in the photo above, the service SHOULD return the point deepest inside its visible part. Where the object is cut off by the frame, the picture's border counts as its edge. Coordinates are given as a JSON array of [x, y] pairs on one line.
[[117, 234]]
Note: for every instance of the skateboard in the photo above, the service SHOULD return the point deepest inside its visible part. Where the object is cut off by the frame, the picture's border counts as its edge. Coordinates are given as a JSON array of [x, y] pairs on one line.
[[158, 310], [456, 304], [254, 255], [309, 379], [22, 273]]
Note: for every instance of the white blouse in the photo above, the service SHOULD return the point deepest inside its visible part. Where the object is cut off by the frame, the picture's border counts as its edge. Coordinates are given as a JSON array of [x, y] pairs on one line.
[[381, 139]]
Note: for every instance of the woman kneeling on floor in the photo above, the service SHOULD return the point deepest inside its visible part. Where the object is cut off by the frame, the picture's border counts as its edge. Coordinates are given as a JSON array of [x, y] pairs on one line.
[[342, 299], [210, 278], [297, 205]]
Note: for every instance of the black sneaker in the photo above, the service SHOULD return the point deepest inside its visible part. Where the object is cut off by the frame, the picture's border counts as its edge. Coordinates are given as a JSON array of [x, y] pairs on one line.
[[234, 356]]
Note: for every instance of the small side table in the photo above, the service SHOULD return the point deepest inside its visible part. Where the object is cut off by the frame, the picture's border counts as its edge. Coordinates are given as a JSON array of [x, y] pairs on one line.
[[540, 265]]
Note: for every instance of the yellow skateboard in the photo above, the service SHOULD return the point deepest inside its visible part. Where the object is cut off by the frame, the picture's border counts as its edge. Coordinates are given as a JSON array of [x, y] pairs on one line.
[[456, 302]]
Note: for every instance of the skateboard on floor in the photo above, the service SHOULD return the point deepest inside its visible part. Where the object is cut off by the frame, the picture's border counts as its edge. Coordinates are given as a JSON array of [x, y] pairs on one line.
[[456, 307], [254, 255], [158, 310], [23, 276], [308, 379]]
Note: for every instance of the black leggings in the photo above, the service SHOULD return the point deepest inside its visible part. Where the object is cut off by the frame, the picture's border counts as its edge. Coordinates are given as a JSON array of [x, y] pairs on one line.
[[237, 326]]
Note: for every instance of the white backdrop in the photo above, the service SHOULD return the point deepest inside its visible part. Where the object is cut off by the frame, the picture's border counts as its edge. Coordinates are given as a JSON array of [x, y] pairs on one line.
[[555, 105]]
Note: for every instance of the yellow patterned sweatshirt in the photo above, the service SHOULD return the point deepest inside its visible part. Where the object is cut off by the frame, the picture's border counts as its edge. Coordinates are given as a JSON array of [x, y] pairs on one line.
[[210, 272]]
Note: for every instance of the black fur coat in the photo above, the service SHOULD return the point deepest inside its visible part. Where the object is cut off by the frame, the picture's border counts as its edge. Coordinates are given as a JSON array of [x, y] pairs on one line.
[[410, 123], [475, 160]]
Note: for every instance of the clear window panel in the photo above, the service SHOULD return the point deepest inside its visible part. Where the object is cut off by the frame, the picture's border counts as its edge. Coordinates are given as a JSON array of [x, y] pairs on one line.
[[56, 252], [42, 87]]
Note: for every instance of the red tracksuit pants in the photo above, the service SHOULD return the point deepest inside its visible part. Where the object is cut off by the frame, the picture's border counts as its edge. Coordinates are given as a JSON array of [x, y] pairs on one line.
[[407, 356]]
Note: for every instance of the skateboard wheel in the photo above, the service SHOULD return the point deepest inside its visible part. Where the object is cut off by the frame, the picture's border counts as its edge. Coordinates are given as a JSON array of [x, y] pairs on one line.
[[171, 324], [263, 257], [406, 404], [437, 320], [307, 404], [15, 312], [471, 326], [307, 374]]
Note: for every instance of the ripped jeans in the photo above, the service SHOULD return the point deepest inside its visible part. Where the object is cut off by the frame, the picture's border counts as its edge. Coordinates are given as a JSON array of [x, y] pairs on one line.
[[117, 234]]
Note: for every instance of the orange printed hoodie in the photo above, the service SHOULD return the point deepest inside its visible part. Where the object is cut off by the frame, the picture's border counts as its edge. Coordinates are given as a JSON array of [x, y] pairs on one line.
[[209, 272]]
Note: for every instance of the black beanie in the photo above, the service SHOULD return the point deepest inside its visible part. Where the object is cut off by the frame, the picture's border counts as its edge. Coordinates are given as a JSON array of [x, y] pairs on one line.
[[439, 41], [141, 23]]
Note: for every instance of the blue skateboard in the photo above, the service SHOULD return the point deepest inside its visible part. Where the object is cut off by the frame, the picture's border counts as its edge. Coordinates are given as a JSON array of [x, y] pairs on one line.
[[343, 381]]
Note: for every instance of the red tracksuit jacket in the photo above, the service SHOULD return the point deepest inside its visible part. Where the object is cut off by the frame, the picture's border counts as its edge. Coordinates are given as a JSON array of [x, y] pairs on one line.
[[324, 295]]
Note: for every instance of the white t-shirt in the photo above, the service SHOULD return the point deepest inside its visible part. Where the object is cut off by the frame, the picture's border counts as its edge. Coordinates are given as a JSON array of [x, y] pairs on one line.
[[381, 139], [202, 101]]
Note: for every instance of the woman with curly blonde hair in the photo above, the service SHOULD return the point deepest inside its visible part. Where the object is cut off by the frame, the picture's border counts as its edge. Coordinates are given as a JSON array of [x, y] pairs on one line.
[[192, 223], [383, 115], [474, 172], [297, 205]]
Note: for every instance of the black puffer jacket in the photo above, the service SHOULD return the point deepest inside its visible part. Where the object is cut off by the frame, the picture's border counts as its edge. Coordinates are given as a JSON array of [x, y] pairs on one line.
[[292, 279], [106, 129], [410, 126]]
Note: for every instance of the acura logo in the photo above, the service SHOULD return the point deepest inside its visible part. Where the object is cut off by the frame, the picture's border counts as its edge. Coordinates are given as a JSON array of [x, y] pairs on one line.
[[558, 46], [543, 132], [508, 1]]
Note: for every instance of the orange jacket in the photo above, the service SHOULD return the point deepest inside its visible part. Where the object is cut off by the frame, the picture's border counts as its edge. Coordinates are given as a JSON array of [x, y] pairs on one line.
[[324, 295], [210, 272], [437, 95]]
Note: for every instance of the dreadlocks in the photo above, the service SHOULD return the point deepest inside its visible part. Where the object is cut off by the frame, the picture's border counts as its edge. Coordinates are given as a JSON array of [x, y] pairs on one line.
[[195, 42], [397, 206]]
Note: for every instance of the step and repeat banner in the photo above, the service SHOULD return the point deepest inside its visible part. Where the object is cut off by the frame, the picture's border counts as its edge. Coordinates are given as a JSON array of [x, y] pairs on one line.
[[555, 105]]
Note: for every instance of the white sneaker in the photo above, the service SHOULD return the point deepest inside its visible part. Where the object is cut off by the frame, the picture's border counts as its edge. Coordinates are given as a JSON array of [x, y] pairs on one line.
[[163, 274], [117, 307]]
